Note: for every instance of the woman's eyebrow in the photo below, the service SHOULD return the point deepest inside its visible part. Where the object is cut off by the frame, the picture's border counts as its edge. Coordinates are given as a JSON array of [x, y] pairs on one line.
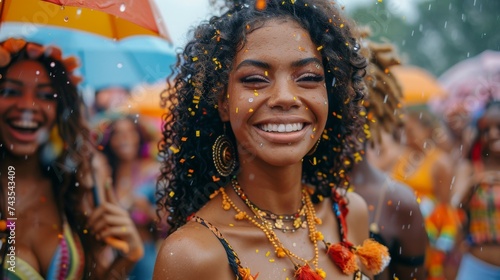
[[306, 61], [20, 83], [264, 65], [251, 62]]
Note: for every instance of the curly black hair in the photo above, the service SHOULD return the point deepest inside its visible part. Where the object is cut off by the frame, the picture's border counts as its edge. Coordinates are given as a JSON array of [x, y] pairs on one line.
[[75, 156], [188, 175]]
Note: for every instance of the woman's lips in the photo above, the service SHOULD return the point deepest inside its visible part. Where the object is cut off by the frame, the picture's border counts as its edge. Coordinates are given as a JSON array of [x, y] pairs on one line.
[[24, 130], [283, 133]]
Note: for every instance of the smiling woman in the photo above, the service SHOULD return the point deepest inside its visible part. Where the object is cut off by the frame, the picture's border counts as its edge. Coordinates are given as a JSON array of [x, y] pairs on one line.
[[45, 142], [256, 149]]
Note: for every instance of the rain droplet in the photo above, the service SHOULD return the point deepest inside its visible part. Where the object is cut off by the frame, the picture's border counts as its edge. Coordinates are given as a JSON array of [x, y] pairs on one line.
[[77, 184], [55, 95], [119, 65], [122, 8], [52, 64], [37, 72], [79, 11], [66, 19], [11, 147], [250, 99]]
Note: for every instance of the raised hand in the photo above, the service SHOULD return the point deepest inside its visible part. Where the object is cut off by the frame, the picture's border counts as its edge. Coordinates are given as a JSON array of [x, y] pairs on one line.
[[112, 224]]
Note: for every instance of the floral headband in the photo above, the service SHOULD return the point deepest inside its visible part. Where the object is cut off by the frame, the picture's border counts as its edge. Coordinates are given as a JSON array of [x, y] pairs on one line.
[[34, 51]]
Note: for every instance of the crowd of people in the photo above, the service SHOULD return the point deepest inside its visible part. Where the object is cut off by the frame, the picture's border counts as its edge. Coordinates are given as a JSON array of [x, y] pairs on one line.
[[286, 151]]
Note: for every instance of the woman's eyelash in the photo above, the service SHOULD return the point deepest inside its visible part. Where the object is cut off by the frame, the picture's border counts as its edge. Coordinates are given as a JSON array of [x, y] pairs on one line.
[[8, 92], [253, 79], [312, 78]]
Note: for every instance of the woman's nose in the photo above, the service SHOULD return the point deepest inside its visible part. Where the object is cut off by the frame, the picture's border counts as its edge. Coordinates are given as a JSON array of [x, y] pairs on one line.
[[27, 100], [284, 95]]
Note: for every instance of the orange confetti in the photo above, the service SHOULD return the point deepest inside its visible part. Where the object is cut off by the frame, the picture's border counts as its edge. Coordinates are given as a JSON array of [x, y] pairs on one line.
[[260, 5]]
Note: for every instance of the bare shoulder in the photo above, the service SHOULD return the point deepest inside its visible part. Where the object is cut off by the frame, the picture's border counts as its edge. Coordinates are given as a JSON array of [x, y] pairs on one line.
[[357, 218], [192, 252], [356, 205], [402, 196]]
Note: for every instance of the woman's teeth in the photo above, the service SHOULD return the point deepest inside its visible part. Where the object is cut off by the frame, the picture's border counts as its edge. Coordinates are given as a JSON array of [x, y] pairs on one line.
[[25, 124], [289, 127]]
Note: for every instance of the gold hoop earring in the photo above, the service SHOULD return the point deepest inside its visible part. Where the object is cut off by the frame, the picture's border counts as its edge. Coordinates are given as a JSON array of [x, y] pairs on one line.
[[314, 148], [223, 155]]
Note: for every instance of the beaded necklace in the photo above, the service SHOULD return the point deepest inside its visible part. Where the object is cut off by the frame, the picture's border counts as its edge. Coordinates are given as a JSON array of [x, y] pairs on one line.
[[280, 222], [373, 255], [280, 250]]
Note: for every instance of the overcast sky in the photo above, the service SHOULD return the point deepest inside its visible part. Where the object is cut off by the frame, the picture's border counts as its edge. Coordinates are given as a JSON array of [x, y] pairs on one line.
[[180, 15]]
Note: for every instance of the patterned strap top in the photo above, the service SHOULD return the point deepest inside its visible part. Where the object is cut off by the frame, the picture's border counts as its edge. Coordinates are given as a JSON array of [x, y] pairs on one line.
[[235, 263], [67, 262], [483, 212]]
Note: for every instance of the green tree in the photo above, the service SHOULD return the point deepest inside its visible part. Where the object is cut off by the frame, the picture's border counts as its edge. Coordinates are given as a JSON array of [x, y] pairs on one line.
[[446, 31]]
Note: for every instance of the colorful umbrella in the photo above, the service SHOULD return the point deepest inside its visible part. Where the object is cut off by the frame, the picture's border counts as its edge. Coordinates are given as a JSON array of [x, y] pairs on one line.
[[104, 62], [471, 82], [112, 19]]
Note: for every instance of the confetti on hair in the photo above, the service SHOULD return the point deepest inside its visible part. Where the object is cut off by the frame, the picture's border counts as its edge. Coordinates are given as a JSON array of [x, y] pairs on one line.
[[260, 5]]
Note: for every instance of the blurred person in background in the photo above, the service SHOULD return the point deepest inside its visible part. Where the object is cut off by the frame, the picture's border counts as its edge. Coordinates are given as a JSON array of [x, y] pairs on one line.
[[426, 168], [110, 98], [134, 172], [52, 180], [481, 202], [395, 217]]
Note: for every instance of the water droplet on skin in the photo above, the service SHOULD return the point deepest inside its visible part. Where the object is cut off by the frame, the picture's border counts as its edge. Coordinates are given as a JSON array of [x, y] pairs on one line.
[[122, 8], [261, 145], [251, 176], [250, 99]]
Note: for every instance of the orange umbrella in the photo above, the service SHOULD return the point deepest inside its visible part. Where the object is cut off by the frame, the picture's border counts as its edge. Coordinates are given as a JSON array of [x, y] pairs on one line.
[[419, 86], [145, 100], [112, 19]]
